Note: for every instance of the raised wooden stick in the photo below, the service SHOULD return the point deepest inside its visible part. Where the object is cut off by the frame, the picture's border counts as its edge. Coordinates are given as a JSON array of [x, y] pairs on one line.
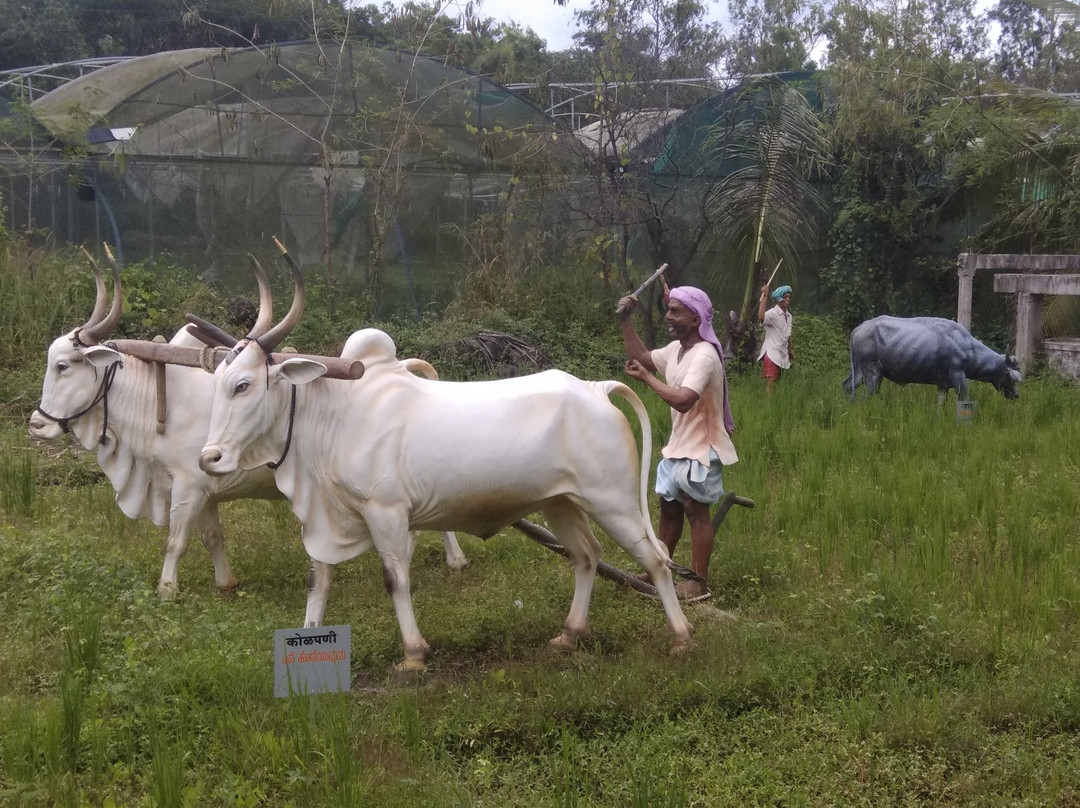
[[649, 282], [778, 263]]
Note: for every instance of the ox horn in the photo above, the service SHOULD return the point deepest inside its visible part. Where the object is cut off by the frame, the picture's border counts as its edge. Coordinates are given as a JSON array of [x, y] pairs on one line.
[[101, 302], [266, 306], [210, 334], [272, 338], [95, 332], [214, 336]]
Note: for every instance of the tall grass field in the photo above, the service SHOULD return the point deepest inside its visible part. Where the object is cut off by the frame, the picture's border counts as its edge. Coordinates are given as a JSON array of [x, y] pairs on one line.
[[895, 622]]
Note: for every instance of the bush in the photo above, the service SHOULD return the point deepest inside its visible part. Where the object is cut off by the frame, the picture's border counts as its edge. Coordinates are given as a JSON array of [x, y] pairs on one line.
[[820, 343]]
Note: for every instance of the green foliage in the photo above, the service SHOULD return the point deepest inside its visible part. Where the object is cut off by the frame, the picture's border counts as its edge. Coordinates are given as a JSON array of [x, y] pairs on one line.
[[17, 483], [157, 295], [45, 294], [820, 343], [765, 151]]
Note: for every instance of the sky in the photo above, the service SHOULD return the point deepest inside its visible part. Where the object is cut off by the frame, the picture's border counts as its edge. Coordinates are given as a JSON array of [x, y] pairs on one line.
[[553, 23]]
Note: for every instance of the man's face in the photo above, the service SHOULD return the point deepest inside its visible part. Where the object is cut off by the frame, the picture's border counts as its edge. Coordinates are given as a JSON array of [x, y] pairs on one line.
[[681, 321], [785, 301]]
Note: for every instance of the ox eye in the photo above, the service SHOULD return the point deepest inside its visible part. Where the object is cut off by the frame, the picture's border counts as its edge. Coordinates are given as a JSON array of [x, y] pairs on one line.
[[241, 387], [61, 367]]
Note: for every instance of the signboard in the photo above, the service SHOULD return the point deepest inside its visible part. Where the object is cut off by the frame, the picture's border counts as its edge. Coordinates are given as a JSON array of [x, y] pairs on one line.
[[311, 660]]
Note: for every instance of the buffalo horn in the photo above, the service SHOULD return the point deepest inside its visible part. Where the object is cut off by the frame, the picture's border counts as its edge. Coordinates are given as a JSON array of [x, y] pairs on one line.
[[272, 338], [95, 333]]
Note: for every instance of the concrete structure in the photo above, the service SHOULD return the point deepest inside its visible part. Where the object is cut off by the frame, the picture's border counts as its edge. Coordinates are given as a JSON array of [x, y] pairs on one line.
[[970, 263], [1030, 278]]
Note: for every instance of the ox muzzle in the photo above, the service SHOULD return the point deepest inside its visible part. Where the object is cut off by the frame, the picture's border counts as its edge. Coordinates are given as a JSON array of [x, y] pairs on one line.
[[212, 461], [43, 427]]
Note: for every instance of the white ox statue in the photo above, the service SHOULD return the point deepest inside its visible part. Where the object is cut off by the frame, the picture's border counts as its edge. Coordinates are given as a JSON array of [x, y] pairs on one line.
[[108, 401], [371, 459]]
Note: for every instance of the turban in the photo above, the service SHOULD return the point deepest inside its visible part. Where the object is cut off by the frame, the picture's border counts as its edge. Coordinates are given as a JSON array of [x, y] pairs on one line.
[[698, 302], [779, 292]]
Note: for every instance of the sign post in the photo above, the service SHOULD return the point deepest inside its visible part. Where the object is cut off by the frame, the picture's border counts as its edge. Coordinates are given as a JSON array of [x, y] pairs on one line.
[[309, 661]]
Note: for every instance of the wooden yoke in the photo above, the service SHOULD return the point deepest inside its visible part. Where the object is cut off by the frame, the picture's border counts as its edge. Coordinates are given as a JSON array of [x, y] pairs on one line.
[[210, 358]]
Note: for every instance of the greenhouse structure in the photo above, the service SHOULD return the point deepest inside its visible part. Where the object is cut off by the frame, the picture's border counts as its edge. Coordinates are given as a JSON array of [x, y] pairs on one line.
[[360, 159], [207, 153]]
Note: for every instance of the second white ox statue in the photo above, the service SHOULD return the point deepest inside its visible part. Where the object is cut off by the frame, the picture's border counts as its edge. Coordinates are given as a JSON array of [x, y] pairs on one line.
[[362, 462], [108, 402]]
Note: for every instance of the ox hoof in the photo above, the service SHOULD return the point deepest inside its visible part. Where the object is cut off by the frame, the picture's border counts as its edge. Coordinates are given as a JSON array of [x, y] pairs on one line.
[[168, 591], [564, 642], [457, 564], [230, 591], [409, 671], [682, 646]]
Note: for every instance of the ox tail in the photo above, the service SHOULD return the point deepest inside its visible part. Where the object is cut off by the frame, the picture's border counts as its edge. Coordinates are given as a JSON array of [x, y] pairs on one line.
[[608, 388]]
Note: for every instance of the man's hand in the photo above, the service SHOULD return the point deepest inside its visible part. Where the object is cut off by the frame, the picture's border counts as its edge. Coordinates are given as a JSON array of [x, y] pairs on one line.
[[626, 306], [636, 370]]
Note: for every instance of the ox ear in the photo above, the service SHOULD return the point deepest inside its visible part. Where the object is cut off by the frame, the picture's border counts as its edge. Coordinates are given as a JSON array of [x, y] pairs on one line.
[[302, 371], [101, 356]]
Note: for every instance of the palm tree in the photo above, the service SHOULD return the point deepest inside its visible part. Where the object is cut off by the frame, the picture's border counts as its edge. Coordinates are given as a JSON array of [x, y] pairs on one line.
[[764, 204]]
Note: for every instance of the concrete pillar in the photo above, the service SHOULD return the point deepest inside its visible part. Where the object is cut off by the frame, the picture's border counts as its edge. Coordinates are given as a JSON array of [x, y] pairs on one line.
[[965, 271], [1028, 328]]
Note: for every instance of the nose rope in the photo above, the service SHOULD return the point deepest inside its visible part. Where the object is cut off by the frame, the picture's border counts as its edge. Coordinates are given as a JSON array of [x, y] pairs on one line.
[[101, 397]]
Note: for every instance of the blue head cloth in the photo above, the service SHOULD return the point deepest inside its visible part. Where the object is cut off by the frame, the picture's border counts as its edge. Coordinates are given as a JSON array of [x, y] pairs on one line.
[[779, 292], [698, 302]]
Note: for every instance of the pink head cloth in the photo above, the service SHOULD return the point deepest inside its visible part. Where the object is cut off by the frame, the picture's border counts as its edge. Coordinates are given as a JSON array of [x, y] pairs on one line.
[[698, 302]]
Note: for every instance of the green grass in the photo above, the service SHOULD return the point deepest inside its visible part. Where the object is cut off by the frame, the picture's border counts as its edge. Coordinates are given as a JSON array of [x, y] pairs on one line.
[[906, 599]]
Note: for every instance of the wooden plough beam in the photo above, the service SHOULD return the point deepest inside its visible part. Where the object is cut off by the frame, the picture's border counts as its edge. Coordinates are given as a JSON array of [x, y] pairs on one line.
[[547, 538]]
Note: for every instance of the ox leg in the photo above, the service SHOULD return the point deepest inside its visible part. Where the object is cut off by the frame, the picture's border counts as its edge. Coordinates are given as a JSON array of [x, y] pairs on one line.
[[571, 526], [395, 544], [319, 580], [213, 539], [455, 558], [629, 532], [186, 510]]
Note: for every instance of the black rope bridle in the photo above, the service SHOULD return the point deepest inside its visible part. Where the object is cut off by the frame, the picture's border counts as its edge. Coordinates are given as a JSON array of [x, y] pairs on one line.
[[288, 435], [102, 397], [292, 394]]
